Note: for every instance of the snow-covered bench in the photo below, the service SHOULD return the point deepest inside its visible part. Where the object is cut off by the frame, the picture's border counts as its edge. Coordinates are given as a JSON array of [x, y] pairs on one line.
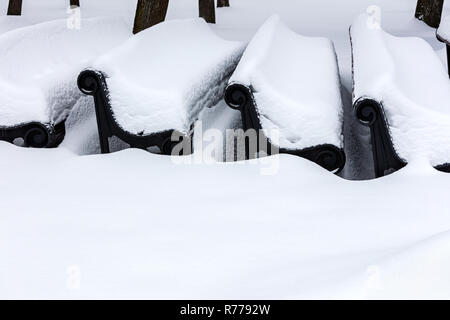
[[288, 86], [402, 92], [157, 83], [443, 35], [39, 65]]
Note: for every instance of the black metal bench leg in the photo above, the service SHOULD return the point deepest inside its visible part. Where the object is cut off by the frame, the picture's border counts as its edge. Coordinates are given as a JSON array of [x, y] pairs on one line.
[[103, 128], [104, 138], [104, 143]]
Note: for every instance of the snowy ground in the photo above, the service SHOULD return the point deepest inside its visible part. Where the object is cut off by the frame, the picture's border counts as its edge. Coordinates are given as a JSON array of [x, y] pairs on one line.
[[137, 225]]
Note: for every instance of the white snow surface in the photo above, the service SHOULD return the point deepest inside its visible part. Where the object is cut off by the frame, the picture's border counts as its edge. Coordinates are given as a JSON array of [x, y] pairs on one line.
[[164, 76], [219, 231], [137, 225], [295, 83], [40, 63], [407, 77]]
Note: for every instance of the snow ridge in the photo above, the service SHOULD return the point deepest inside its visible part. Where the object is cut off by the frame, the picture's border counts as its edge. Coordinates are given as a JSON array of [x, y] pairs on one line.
[[39, 66], [407, 77], [164, 76]]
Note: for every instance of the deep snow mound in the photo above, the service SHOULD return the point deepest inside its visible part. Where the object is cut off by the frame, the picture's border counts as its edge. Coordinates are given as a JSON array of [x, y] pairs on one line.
[[295, 83], [164, 76], [408, 78], [39, 65]]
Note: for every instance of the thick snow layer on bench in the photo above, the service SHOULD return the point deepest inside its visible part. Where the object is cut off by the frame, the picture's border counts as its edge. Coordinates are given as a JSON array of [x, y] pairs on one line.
[[164, 76], [39, 66], [443, 31], [296, 86], [408, 78]]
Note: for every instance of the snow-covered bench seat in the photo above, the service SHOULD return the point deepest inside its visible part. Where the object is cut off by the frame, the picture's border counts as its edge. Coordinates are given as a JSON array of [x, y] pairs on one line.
[[402, 92], [443, 35], [288, 86], [156, 83], [39, 65]]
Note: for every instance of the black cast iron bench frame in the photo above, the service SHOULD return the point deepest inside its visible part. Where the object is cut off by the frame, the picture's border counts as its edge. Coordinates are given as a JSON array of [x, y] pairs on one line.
[[93, 83], [240, 97], [35, 134]]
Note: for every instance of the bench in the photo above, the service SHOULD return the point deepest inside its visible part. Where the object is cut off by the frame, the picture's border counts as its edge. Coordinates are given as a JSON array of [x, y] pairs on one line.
[[38, 70], [150, 91], [401, 92], [287, 87]]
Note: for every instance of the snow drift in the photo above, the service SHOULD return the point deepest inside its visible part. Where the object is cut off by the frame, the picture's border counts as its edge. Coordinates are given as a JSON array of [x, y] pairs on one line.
[[39, 65], [164, 76], [221, 231], [406, 76], [296, 86]]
